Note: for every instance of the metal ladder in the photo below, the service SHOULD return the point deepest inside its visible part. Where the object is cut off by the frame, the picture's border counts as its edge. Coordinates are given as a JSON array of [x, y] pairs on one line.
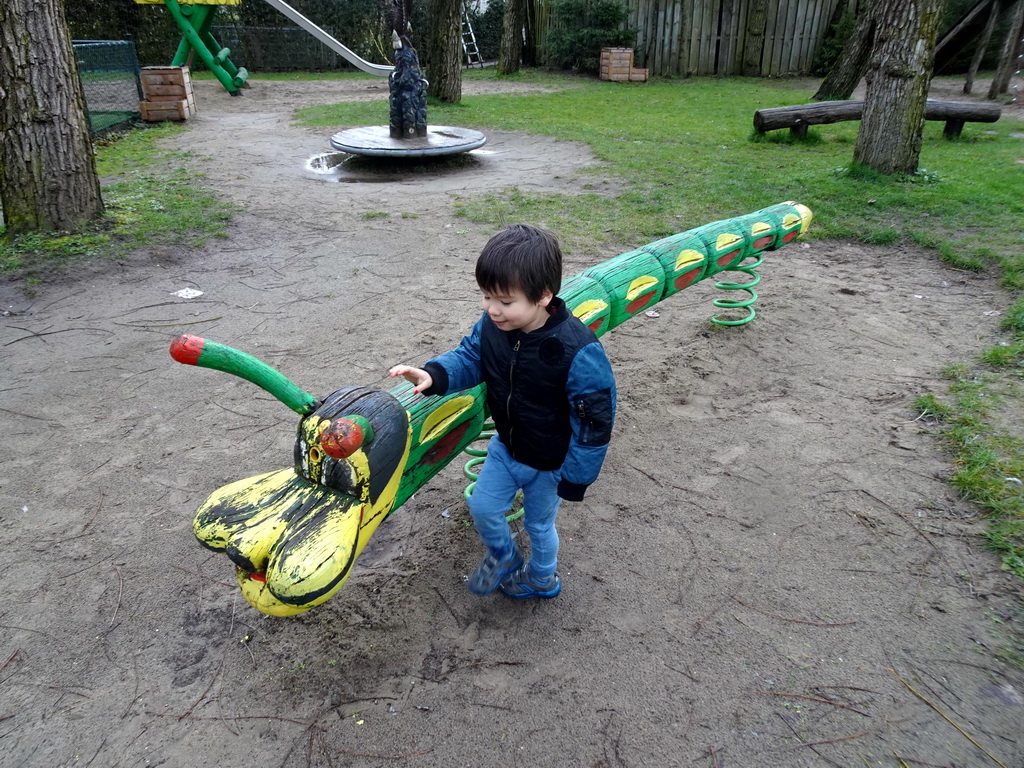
[[470, 50]]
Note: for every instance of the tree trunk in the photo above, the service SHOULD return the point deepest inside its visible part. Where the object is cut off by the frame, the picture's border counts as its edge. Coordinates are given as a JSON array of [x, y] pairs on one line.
[[1011, 50], [753, 43], [846, 73], [510, 51], [48, 179], [529, 52], [979, 54], [444, 50], [889, 139]]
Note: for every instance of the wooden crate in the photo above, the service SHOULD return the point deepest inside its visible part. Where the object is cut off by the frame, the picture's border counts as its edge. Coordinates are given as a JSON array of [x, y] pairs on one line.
[[167, 94], [615, 63], [617, 66], [158, 111], [164, 81]]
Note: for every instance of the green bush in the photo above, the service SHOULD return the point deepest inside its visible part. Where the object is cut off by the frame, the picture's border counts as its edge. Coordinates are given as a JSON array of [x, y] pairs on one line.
[[581, 29], [833, 43]]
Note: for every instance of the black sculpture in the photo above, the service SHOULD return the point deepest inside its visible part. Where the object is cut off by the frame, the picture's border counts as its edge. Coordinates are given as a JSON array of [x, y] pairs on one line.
[[406, 85]]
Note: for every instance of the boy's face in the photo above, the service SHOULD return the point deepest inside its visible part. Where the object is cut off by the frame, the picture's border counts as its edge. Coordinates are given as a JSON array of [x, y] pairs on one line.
[[512, 311]]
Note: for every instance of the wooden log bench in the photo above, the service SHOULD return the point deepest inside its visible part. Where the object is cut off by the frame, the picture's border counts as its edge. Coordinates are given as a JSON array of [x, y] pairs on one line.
[[799, 116]]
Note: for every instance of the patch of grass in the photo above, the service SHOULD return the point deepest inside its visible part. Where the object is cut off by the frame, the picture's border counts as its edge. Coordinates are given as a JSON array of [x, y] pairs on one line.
[[988, 459], [1013, 321], [151, 198], [932, 408], [787, 137], [881, 235], [681, 154]]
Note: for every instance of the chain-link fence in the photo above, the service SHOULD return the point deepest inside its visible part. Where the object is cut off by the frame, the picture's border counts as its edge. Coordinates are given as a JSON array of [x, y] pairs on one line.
[[279, 48], [109, 72], [263, 40]]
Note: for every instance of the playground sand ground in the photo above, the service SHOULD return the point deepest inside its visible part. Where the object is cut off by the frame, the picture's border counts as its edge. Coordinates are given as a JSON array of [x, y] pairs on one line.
[[771, 571]]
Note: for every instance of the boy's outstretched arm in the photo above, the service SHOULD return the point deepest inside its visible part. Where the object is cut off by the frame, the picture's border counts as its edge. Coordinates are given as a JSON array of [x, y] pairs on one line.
[[418, 377], [591, 393], [458, 369]]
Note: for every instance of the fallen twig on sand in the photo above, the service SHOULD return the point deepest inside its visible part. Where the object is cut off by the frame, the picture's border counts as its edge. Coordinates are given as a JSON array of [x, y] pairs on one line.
[[40, 335], [9, 660], [798, 621], [812, 745], [834, 741], [238, 718], [947, 719], [906, 760], [120, 592], [814, 698]]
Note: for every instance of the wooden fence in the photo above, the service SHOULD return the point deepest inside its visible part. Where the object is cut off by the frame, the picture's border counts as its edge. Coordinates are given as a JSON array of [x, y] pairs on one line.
[[729, 37]]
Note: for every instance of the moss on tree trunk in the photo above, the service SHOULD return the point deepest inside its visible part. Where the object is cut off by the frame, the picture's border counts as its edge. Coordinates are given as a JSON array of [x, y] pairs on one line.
[[48, 179], [898, 75]]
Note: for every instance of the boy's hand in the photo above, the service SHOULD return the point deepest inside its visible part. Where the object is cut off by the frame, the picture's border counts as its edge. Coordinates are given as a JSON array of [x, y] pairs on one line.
[[419, 378]]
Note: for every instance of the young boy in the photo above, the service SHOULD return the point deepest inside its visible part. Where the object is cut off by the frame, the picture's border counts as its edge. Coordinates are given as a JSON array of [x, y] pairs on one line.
[[551, 395]]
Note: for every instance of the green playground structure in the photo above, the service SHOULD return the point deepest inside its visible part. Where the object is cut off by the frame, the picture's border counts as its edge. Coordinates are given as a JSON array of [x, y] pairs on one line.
[[195, 18]]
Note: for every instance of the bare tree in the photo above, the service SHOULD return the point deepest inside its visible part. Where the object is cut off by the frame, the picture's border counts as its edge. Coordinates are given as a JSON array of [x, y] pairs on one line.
[[444, 50], [852, 63], [898, 76], [48, 179], [510, 50]]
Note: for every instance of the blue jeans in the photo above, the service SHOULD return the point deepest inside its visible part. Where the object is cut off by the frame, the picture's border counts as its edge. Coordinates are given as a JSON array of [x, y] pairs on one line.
[[500, 479]]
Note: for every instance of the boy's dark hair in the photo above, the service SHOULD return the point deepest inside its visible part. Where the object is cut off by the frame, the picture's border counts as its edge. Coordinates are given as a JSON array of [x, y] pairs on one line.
[[521, 258]]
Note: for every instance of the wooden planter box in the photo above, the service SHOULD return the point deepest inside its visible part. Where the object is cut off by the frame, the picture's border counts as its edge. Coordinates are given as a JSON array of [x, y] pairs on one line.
[[168, 94], [617, 65]]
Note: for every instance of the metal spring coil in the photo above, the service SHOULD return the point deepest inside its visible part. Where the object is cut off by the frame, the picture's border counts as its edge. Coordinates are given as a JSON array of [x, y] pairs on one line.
[[479, 456], [728, 285]]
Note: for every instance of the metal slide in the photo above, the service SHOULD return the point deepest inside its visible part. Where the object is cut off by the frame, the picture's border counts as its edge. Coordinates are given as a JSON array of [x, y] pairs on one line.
[[330, 42]]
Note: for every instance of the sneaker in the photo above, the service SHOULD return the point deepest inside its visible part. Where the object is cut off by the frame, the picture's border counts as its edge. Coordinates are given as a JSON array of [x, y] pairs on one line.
[[492, 570], [521, 584]]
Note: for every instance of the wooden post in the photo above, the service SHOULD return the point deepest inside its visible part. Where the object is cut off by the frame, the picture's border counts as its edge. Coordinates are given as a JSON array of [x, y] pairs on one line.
[[953, 128], [1011, 49], [986, 36]]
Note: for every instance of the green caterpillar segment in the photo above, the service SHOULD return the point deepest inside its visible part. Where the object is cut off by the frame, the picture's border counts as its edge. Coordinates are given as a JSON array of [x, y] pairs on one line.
[[682, 258], [791, 221], [442, 427], [194, 350], [726, 245], [589, 301], [632, 282]]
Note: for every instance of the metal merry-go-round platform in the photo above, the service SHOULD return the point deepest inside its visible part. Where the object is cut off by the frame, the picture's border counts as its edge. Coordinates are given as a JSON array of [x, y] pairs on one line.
[[376, 141]]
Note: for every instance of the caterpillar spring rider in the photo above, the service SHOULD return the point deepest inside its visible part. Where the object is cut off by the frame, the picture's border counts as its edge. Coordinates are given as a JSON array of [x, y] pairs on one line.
[[360, 453]]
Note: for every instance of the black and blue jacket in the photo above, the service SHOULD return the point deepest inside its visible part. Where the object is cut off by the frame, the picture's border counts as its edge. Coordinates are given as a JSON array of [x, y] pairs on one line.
[[550, 393]]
